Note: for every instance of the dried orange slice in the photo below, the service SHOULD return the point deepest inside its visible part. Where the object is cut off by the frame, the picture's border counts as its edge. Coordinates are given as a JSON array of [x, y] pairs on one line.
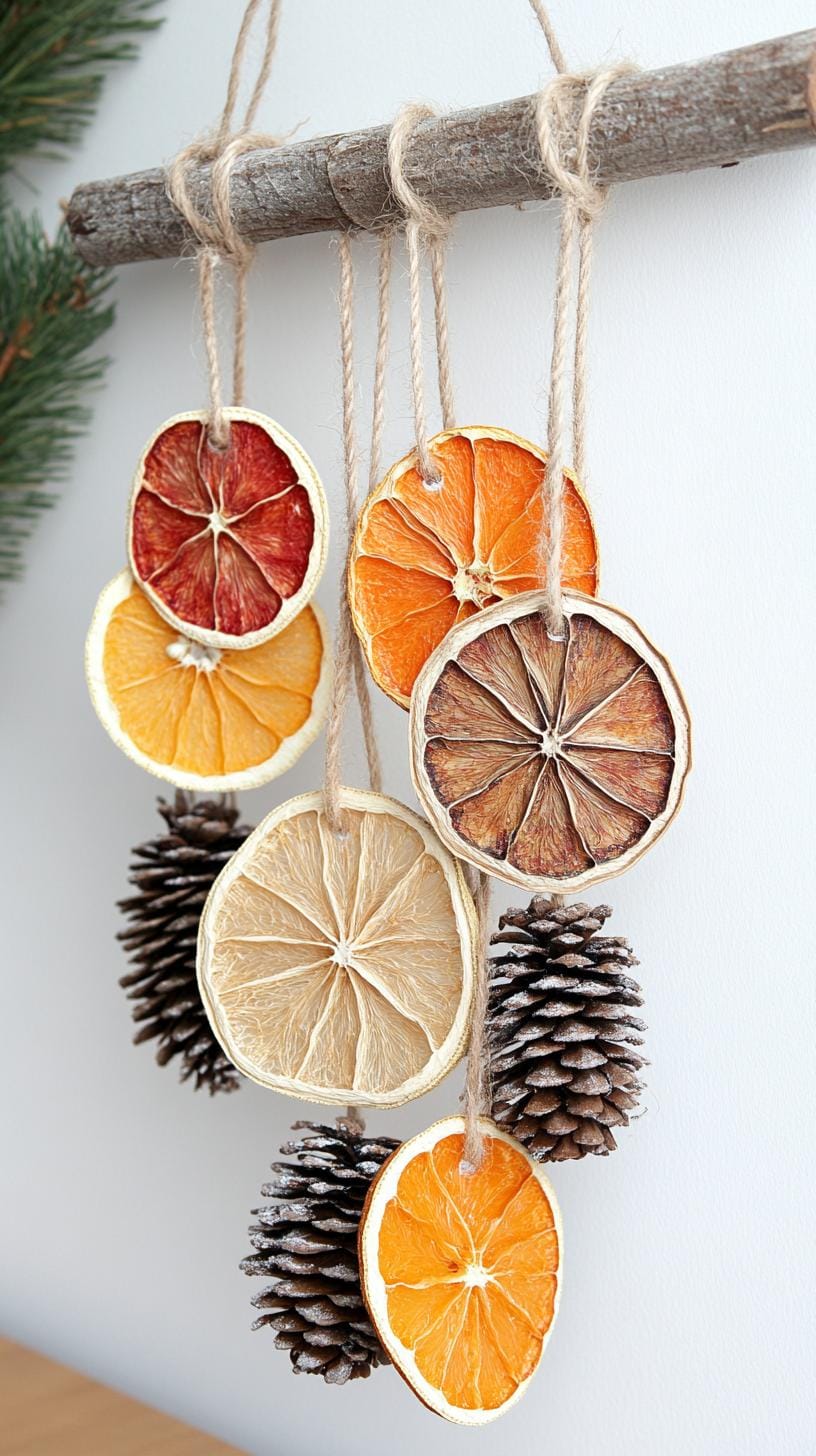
[[461, 1272], [228, 544], [423, 560], [194, 715], [551, 763], [339, 967]]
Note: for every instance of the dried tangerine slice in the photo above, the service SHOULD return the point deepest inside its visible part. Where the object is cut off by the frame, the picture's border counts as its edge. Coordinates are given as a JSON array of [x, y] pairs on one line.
[[200, 717], [228, 544], [552, 763], [423, 560], [339, 967], [461, 1272]]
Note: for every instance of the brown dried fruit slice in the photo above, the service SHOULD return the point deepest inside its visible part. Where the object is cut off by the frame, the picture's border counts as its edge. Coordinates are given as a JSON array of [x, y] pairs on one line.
[[551, 763], [339, 968], [461, 1271], [228, 544], [423, 560]]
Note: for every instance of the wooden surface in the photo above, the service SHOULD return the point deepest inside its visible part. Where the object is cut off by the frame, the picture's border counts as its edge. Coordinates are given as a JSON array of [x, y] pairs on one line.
[[715, 112], [49, 1410]]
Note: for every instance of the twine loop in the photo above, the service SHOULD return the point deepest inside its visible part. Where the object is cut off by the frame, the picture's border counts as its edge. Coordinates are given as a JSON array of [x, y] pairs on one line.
[[217, 237], [425, 226], [555, 110], [430, 221]]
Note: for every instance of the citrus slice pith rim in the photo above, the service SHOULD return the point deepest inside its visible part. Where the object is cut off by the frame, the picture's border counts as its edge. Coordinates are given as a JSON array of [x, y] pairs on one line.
[[550, 763], [233, 725], [228, 544], [461, 1272], [423, 560], [340, 968]]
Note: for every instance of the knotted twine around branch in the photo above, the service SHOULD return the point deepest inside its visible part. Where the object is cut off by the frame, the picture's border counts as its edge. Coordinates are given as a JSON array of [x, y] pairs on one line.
[[218, 238], [562, 133]]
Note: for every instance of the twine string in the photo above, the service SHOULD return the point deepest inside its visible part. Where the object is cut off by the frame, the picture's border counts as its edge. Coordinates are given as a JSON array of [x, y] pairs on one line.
[[349, 667], [349, 662], [425, 227], [582, 201], [217, 237]]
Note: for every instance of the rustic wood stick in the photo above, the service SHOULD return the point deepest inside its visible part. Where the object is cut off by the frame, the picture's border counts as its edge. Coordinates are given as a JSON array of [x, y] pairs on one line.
[[714, 112]]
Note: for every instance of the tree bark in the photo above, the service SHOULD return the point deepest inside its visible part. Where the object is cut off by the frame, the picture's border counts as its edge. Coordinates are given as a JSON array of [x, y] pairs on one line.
[[715, 112]]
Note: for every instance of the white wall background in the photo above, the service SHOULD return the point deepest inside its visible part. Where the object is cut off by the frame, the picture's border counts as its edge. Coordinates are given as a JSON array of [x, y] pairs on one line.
[[684, 1325]]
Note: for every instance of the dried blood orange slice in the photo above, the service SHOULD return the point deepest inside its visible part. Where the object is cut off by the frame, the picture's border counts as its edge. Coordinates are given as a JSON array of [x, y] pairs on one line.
[[200, 717], [228, 544], [423, 560], [461, 1272], [551, 763], [339, 967]]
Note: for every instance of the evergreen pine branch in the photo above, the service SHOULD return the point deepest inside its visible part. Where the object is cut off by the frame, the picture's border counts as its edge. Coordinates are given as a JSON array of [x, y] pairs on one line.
[[53, 55], [53, 308]]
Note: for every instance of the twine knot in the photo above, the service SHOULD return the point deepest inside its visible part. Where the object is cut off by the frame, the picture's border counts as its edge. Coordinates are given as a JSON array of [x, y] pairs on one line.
[[217, 236], [560, 134], [432, 223]]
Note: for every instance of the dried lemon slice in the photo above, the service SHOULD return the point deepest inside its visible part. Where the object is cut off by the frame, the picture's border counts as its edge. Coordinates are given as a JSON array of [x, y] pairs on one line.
[[424, 559], [339, 967], [461, 1272], [552, 763], [196, 716]]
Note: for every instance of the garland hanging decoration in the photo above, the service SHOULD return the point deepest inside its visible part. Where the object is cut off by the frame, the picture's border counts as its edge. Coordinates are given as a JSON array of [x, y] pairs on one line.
[[205, 663]]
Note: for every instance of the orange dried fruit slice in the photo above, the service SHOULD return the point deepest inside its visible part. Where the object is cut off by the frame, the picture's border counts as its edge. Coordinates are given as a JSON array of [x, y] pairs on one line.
[[197, 716], [228, 544], [339, 967], [461, 1272], [552, 763], [423, 560]]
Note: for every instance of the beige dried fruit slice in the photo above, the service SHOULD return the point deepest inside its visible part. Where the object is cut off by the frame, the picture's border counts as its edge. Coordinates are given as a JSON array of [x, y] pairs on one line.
[[552, 763], [461, 1272], [340, 968]]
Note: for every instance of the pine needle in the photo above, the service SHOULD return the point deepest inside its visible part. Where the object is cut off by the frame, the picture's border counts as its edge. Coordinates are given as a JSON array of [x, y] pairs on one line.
[[52, 310]]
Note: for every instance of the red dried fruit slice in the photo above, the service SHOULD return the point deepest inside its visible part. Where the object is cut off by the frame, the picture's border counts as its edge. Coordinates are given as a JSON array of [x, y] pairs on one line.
[[551, 762], [227, 544]]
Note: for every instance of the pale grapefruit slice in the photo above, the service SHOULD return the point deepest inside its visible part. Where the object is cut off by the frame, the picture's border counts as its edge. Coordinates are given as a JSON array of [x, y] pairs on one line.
[[461, 1271], [201, 717], [339, 967], [228, 544]]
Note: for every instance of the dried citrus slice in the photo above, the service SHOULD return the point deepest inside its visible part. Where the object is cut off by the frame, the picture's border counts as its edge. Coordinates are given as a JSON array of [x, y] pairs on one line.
[[423, 560], [339, 967], [551, 763], [228, 544], [197, 716], [461, 1272]]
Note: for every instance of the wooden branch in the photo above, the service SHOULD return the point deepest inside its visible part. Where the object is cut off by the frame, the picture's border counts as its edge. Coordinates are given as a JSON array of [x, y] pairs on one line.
[[712, 113]]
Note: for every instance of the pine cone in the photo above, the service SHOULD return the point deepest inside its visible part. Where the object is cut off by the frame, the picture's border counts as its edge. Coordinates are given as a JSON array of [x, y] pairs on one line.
[[309, 1237], [172, 875], [561, 1030]]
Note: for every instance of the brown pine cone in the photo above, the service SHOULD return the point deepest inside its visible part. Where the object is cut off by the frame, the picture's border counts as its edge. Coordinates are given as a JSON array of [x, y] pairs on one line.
[[561, 1030], [172, 875], [307, 1241]]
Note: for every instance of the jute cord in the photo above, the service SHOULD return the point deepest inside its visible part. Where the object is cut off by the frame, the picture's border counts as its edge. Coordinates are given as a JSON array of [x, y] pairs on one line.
[[582, 201], [217, 237], [425, 228], [349, 666]]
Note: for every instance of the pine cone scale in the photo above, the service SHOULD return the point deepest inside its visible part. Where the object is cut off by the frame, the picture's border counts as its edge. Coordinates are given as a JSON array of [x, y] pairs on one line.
[[173, 875], [562, 1029], [309, 1237]]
